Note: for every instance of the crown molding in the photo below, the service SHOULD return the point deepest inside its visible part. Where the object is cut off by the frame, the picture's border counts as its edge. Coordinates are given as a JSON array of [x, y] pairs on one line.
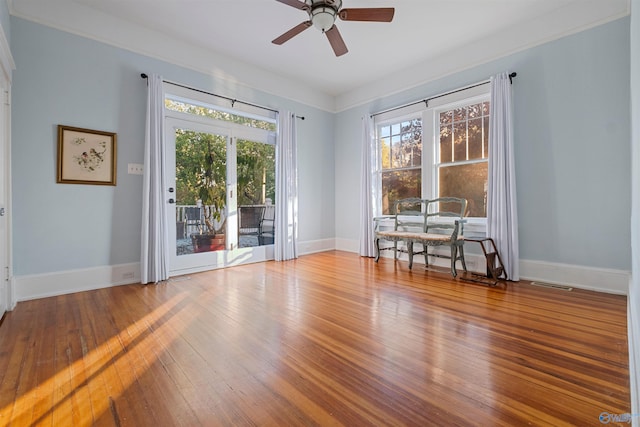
[[75, 18], [565, 21]]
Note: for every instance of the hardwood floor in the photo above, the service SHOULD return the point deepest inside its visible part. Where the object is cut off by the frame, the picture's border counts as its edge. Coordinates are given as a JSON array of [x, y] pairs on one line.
[[328, 339]]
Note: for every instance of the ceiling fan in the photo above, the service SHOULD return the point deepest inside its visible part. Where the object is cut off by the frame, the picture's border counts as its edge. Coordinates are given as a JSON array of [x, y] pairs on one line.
[[322, 15]]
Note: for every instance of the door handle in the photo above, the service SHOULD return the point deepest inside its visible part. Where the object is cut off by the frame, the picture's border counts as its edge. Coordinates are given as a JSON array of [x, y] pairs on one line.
[[171, 201]]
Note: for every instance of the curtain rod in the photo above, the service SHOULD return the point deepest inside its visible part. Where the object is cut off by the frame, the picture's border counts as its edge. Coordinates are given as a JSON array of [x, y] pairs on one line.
[[426, 100], [233, 101]]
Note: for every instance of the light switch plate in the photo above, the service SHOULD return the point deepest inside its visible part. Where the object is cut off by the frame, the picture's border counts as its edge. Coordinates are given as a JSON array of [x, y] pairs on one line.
[[134, 169]]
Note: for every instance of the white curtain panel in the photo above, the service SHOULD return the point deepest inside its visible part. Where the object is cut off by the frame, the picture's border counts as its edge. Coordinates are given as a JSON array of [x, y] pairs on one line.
[[154, 258], [367, 247], [502, 209], [286, 233]]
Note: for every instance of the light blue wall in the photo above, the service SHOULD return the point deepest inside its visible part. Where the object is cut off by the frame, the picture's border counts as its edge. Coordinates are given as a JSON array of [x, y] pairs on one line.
[[65, 79], [572, 156], [572, 132]]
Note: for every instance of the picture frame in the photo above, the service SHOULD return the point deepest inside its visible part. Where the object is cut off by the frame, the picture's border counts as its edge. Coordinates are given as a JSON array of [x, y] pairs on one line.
[[86, 156]]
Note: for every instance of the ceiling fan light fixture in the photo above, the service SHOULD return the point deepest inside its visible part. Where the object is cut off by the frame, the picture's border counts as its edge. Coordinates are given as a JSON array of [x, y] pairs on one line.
[[323, 17], [323, 14]]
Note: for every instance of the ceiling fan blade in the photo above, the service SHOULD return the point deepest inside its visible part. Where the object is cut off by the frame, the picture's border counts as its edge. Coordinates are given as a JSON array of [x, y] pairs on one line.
[[295, 3], [292, 33], [377, 14], [337, 43]]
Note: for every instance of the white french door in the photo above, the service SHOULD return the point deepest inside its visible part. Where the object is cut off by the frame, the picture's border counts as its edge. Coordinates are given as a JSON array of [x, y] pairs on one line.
[[202, 195]]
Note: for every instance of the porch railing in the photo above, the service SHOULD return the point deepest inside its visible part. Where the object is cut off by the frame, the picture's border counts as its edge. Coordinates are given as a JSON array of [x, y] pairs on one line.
[[256, 220]]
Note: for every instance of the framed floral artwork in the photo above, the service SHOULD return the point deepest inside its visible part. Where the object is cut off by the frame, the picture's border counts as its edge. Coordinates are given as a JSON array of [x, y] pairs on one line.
[[86, 156]]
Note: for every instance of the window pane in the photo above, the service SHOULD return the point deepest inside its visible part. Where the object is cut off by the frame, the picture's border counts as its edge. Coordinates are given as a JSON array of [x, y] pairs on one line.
[[384, 131], [415, 140], [256, 166], [200, 110], [446, 138], [411, 151], [416, 148], [485, 135], [475, 139], [475, 110], [399, 185], [460, 141], [201, 201], [396, 152], [466, 181], [446, 117], [406, 158], [460, 114], [385, 155]]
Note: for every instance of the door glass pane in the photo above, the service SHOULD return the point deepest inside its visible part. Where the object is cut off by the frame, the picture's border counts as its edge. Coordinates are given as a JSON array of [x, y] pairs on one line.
[[256, 166], [201, 175]]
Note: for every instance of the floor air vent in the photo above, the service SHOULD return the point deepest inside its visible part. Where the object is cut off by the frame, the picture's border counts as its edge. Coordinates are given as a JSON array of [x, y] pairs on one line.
[[179, 279], [552, 285]]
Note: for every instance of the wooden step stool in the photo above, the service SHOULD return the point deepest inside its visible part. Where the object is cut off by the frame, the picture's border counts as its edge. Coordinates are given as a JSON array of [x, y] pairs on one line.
[[495, 267]]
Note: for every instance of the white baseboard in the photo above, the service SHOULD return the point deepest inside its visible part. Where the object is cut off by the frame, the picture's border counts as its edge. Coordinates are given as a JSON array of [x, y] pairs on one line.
[[633, 331], [578, 276], [347, 245], [314, 246], [13, 299], [66, 282]]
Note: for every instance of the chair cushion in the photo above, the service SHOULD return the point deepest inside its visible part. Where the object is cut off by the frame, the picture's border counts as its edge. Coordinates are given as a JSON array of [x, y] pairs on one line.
[[416, 236]]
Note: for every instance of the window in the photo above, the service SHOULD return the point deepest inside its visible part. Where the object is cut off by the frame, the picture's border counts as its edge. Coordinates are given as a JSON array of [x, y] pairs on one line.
[[440, 151], [400, 145], [462, 155]]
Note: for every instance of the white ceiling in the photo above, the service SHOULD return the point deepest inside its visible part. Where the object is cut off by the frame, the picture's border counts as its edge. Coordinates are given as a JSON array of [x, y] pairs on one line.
[[427, 38]]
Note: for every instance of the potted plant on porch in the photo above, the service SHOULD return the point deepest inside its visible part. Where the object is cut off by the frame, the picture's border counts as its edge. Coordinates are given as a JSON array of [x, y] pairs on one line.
[[211, 189]]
